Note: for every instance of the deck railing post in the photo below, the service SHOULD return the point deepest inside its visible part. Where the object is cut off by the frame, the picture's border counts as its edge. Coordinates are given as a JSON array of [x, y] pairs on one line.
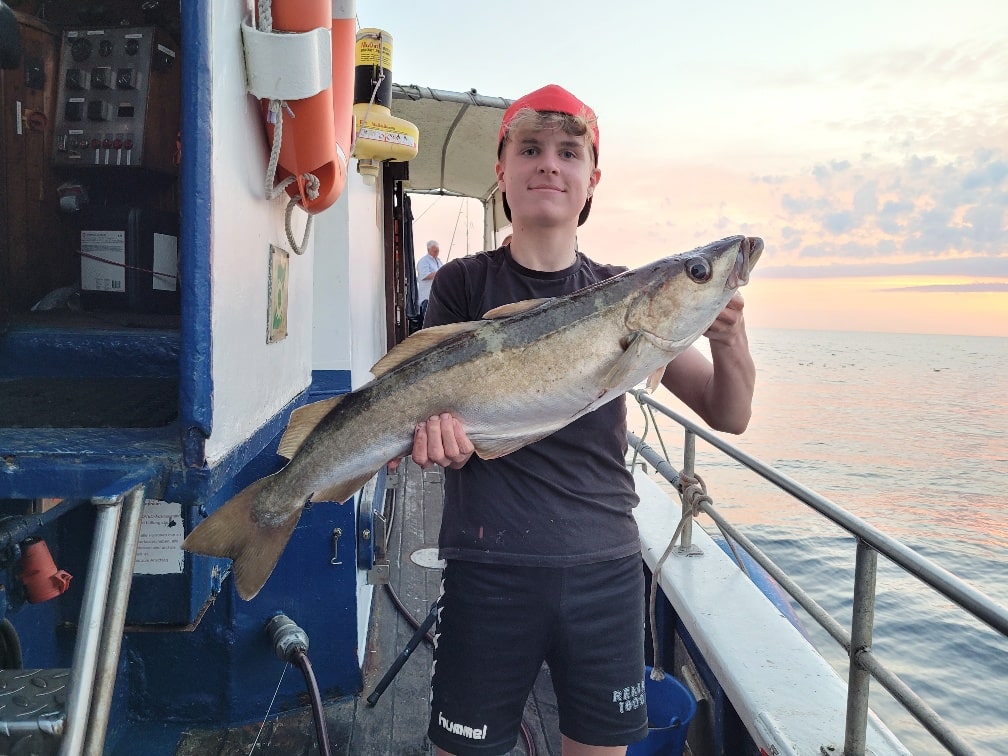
[[689, 464], [85, 658], [862, 621], [120, 583]]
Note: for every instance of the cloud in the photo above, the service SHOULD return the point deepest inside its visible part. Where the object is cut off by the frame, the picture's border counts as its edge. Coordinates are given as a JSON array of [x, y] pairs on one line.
[[992, 174], [823, 173], [922, 207]]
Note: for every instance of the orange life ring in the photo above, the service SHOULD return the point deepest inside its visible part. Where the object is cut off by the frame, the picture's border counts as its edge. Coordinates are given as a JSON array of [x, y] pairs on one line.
[[317, 130]]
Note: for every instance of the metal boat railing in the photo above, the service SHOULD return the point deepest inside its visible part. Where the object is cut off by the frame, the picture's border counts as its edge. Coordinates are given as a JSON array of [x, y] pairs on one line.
[[863, 664], [78, 718]]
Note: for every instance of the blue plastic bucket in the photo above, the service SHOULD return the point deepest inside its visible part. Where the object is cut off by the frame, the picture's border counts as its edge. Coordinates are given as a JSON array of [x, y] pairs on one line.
[[670, 707]]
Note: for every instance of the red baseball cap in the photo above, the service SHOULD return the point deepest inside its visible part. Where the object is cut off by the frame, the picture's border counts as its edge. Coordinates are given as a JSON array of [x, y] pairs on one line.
[[550, 99]]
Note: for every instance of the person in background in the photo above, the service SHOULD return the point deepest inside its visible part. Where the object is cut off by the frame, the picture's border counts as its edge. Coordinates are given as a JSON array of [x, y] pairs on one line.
[[427, 267], [542, 551]]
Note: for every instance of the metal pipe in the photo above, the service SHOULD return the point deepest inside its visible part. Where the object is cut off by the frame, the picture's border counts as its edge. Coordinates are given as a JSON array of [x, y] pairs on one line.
[[689, 465], [16, 529], [969, 598], [858, 678], [121, 581], [660, 464], [911, 702], [820, 615], [89, 628], [917, 707]]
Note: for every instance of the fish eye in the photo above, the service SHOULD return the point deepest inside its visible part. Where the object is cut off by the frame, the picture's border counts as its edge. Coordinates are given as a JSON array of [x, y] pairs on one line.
[[699, 269]]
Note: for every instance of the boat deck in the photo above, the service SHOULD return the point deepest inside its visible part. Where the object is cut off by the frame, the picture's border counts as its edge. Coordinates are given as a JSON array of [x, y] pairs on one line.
[[397, 723]]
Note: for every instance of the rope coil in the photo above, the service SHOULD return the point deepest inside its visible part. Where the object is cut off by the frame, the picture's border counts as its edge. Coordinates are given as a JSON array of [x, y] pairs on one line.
[[693, 494], [311, 182]]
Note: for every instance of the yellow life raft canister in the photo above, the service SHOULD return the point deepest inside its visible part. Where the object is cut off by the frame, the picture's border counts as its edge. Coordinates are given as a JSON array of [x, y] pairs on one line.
[[378, 135]]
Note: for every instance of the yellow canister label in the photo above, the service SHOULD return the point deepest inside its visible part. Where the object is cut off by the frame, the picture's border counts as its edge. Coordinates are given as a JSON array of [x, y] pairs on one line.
[[374, 48]]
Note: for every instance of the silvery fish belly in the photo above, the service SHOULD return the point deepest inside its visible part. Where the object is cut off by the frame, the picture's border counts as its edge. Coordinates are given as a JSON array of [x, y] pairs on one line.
[[524, 371]]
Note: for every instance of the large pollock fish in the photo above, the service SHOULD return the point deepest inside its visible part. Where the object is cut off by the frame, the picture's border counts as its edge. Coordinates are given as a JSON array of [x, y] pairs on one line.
[[524, 371]]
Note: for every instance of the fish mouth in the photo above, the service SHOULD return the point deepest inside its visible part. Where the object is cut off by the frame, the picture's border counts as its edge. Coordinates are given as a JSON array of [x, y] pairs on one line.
[[749, 251]]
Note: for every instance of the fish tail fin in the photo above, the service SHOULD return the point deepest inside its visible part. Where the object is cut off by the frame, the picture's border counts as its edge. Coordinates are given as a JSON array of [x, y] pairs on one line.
[[234, 533]]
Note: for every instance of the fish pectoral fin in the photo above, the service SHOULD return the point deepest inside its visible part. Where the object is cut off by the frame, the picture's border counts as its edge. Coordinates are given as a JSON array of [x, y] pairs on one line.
[[420, 342], [343, 489], [627, 365], [233, 532], [654, 380], [515, 308], [302, 422], [492, 448]]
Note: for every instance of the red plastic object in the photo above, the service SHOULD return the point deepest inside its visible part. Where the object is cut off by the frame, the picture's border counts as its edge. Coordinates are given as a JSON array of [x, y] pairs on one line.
[[42, 579]]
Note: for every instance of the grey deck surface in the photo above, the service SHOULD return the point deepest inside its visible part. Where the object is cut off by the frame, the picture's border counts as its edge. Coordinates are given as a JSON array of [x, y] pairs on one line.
[[397, 724]]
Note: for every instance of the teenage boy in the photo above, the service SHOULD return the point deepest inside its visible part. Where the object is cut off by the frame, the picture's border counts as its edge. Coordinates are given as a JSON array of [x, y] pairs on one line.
[[542, 552]]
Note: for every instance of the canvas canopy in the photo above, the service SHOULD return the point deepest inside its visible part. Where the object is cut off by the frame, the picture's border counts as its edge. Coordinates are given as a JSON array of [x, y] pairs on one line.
[[458, 144]]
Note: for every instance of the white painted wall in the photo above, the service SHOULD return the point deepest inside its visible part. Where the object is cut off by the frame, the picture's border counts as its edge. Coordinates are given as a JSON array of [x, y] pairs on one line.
[[367, 279], [331, 321], [251, 380], [349, 329], [336, 289]]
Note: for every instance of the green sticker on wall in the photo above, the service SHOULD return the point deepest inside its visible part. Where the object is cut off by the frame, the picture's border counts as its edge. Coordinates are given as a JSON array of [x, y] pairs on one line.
[[279, 265]]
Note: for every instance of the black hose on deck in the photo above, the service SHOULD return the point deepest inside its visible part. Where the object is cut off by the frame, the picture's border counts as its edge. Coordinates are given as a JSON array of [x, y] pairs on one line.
[[290, 643], [300, 659], [10, 646]]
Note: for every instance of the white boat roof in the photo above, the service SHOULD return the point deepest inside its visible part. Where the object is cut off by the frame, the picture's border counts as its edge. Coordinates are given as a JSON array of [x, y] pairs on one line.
[[458, 139]]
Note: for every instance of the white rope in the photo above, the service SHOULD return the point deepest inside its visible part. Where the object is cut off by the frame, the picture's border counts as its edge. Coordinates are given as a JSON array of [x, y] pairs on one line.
[[274, 115], [268, 709], [299, 250], [693, 496]]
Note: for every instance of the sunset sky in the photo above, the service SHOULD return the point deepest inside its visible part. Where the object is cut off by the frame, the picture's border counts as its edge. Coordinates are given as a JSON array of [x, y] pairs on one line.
[[866, 142]]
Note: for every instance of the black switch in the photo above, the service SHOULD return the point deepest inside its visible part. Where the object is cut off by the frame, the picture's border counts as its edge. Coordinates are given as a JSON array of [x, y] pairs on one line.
[[75, 79], [73, 110], [125, 78], [98, 110], [80, 49], [101, 77]]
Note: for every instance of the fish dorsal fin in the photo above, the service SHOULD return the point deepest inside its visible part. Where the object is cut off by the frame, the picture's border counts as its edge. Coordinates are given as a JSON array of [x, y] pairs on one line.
[[515, 308], [626, 364], [419, 342], [302, 422]]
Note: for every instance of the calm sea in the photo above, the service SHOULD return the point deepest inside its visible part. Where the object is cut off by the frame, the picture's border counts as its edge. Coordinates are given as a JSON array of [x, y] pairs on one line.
[[910, 433]]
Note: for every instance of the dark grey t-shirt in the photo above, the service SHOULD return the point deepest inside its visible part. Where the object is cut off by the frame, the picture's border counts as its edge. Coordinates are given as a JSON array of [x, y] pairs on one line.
[[564, 500]]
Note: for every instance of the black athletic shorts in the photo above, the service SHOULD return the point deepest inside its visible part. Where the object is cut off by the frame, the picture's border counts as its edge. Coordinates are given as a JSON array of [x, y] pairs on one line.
[[498, 624]]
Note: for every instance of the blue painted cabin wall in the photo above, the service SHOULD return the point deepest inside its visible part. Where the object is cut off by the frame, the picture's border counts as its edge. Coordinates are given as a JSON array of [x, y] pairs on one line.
[[195, 376], [223, 670]]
